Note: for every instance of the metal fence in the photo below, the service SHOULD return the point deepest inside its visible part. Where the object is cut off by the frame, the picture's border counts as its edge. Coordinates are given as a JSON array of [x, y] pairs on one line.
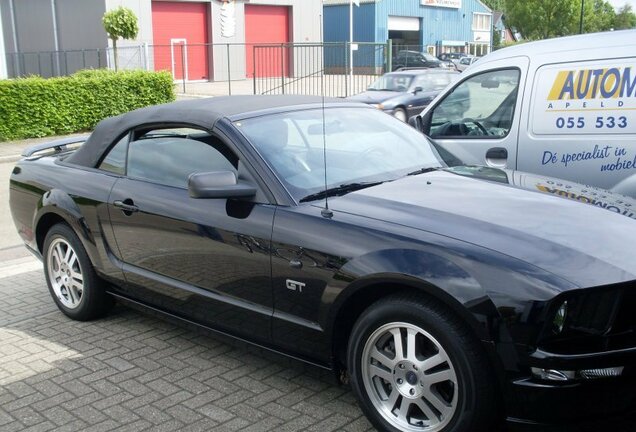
[[330, 69], [472, 48]]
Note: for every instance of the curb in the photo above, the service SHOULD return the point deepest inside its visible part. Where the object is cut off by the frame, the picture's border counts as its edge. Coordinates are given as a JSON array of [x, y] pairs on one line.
[[193, 96], [8, 159]]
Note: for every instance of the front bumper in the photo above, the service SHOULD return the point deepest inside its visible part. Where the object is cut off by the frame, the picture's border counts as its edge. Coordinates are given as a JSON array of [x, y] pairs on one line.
[[575, 402]]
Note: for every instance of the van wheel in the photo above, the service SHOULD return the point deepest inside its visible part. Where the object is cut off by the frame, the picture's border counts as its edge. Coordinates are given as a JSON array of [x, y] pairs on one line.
[[75, 287], [416, 368]]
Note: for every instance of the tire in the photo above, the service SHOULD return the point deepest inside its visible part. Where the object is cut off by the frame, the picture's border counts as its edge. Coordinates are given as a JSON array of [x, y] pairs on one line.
[[443, 385], [75, 287], [400, 114]]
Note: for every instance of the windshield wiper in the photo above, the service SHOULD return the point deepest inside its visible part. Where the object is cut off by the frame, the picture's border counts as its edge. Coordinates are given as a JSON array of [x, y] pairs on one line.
[[423, 171], [339, 190]]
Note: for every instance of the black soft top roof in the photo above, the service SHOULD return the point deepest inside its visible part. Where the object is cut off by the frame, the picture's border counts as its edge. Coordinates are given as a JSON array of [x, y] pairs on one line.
[[203, 113]]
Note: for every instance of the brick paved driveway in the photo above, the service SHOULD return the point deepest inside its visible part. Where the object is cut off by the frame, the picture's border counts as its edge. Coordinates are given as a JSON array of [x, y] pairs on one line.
[[131, 371]]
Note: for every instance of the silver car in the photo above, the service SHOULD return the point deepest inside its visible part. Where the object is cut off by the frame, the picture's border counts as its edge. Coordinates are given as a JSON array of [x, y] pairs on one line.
[[463, 63]]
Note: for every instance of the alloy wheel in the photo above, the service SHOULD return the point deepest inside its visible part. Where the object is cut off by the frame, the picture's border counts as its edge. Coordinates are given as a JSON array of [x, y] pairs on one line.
[[409, 378], [65, 273]]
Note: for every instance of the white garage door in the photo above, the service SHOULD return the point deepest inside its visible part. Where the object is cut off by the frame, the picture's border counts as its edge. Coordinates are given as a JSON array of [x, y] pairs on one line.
[[404, 23]]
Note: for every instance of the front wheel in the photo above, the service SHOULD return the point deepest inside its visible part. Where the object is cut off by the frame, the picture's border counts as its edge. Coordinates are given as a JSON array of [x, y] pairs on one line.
[[72, 281], [415, 368], [399, 114]]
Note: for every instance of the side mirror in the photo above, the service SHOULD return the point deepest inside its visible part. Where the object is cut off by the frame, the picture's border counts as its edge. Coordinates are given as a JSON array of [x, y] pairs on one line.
[[418, 89], [416, 122], [218, 184], [421, 123], [426, 122]]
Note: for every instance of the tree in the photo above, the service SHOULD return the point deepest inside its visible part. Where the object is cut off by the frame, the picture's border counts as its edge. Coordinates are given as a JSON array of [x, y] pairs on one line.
[[541, 19], [625, 18], [599, 15], [495, 5], [120, 23], [496, 39]]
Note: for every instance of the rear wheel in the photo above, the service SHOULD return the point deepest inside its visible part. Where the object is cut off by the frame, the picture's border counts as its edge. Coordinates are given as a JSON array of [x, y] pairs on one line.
[[72, 281], [415, 368]]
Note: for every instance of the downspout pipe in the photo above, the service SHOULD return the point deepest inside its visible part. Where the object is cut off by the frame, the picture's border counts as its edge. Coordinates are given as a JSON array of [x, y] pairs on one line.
[[56, 42]]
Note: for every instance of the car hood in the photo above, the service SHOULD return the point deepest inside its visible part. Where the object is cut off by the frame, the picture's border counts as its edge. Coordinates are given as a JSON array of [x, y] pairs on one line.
[[558, 226], [374, 97]]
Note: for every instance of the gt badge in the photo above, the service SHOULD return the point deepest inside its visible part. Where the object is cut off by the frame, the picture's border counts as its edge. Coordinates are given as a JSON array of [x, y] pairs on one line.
[[294, 285]]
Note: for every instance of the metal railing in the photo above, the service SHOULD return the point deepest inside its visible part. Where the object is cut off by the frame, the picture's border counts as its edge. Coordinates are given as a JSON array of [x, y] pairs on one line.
[[330, 69]]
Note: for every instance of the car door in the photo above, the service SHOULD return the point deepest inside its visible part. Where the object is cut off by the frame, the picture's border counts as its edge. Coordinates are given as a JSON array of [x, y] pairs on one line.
[[204, 259], [478, 120], [305, 259]]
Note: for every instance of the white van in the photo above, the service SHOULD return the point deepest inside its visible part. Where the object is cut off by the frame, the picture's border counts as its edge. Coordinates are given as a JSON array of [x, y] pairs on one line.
[[563, 108]]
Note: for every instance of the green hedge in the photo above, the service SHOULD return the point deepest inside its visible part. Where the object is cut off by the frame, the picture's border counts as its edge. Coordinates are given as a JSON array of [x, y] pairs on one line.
[[36, 107]]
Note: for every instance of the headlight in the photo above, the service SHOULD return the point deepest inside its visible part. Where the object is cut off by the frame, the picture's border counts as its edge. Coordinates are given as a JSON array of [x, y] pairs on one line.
[[379, 106], [559, 319], [580, 321]]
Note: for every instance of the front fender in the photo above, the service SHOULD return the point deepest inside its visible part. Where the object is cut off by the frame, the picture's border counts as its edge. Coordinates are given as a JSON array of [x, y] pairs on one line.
[[426, 271], [500, 298]]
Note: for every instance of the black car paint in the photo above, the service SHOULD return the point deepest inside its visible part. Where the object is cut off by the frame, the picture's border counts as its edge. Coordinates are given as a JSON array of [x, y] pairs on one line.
[[404, 235]]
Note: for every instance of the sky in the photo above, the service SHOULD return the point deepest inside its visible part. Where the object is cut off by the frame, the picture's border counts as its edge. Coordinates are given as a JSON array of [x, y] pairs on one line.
[[619, 3]]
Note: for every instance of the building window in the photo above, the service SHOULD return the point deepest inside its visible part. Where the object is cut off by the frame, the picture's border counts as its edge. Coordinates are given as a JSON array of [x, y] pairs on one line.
[[481, 22]]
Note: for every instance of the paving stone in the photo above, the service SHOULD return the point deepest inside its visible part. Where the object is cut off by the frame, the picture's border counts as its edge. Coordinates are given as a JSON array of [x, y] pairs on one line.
[[133, 372]]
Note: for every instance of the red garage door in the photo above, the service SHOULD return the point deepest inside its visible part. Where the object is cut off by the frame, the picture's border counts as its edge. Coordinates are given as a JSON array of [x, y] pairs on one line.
[[180, 30], [267, 25]]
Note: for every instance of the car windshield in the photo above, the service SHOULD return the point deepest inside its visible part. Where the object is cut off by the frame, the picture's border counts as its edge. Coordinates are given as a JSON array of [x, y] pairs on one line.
[[392, 82], [360, 145], [432, 81], [429, 57]]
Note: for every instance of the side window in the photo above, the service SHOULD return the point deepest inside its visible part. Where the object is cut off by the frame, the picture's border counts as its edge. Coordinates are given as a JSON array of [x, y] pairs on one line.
[[115, 160], [481, 106], [169, 156]]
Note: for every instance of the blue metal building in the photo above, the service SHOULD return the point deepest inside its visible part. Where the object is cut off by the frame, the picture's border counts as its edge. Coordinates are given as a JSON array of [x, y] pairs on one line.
[[437, 26]]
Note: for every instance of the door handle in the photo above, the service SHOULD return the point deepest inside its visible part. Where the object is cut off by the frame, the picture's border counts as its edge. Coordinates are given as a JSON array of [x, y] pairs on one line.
[[497, 153], [296, 263], [127, 206]]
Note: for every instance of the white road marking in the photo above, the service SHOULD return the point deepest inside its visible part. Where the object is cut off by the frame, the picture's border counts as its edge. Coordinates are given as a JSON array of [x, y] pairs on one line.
[[18, 266]]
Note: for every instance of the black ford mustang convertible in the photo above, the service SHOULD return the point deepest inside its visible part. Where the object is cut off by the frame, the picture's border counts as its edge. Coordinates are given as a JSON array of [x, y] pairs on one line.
[[450, 297]]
